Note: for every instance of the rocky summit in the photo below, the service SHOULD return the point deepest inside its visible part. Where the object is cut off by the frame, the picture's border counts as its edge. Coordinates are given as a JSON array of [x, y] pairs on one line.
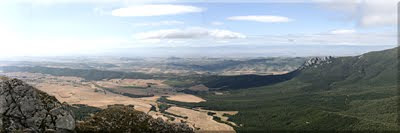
[[314, 62], [26, 109]]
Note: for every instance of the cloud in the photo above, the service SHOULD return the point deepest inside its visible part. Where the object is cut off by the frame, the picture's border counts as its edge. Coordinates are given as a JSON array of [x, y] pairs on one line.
[[264, 18], [160, 23], [107, 2], [130, 2], [217, 23], [189, 33], [378, 13], [155, 10], [366, 13], [343, 31], [225, 34], [354, 38]]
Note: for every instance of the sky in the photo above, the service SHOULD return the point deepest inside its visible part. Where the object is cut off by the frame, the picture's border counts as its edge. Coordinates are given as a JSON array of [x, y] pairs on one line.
[[174, 27]]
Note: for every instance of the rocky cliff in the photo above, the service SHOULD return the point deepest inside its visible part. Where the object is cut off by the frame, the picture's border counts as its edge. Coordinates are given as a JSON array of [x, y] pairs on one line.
[[24, 108], [316, 61]]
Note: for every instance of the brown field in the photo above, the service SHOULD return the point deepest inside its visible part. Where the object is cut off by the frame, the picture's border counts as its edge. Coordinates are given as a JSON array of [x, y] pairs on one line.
[[87, 95], [74, 91], [137, 82], [200, 120], [186, 98], [143, 87]]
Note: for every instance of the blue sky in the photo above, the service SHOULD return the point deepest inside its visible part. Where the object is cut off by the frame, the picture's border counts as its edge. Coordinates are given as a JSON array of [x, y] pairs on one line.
[[90, 27]]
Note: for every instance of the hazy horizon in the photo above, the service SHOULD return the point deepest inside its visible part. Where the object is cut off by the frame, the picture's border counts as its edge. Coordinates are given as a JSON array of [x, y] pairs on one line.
[[218, 52]]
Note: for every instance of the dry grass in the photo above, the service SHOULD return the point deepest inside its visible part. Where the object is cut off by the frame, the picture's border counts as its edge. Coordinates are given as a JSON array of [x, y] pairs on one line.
[[87, 95], [74, 91], [186, 98], [200, 120], [220, 114]]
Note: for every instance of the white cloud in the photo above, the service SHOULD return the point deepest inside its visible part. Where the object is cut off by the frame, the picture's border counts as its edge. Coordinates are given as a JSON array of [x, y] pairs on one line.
[[189, 33], [130, 2], [330, 39], [366, 13], [125, 2], [160, 23], [155, 10], [217, 23], [343, 31], [225, 34], [262, 18]]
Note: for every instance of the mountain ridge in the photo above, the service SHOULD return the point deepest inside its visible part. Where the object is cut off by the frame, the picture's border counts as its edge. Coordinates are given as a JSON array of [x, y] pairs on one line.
[[356, 93]]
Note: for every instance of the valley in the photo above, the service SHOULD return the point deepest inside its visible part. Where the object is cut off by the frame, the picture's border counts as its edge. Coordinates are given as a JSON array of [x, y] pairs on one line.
[[353, 93]]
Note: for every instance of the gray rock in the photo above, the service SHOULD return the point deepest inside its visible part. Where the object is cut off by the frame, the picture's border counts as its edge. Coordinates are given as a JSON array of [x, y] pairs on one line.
[[25, 108], [316, 61]]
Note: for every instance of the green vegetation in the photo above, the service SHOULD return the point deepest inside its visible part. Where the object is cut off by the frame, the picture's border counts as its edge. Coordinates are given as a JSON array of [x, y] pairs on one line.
[[126, 119], [185, 81], [163, 107], [180, 83], [82, 112], [218, 119], [123, 93], [133, 87], [168, 113], [163, 99], [245, 81], [349, 93], [211, 113]]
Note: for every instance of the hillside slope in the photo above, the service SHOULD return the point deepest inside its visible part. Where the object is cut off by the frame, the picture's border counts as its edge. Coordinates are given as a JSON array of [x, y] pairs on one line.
[[245, 81], [345, 93]]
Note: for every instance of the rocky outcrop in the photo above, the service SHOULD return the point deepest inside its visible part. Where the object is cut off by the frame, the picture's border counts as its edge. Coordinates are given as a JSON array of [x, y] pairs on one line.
[[24, 108], [316, 61], [126, 119]]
